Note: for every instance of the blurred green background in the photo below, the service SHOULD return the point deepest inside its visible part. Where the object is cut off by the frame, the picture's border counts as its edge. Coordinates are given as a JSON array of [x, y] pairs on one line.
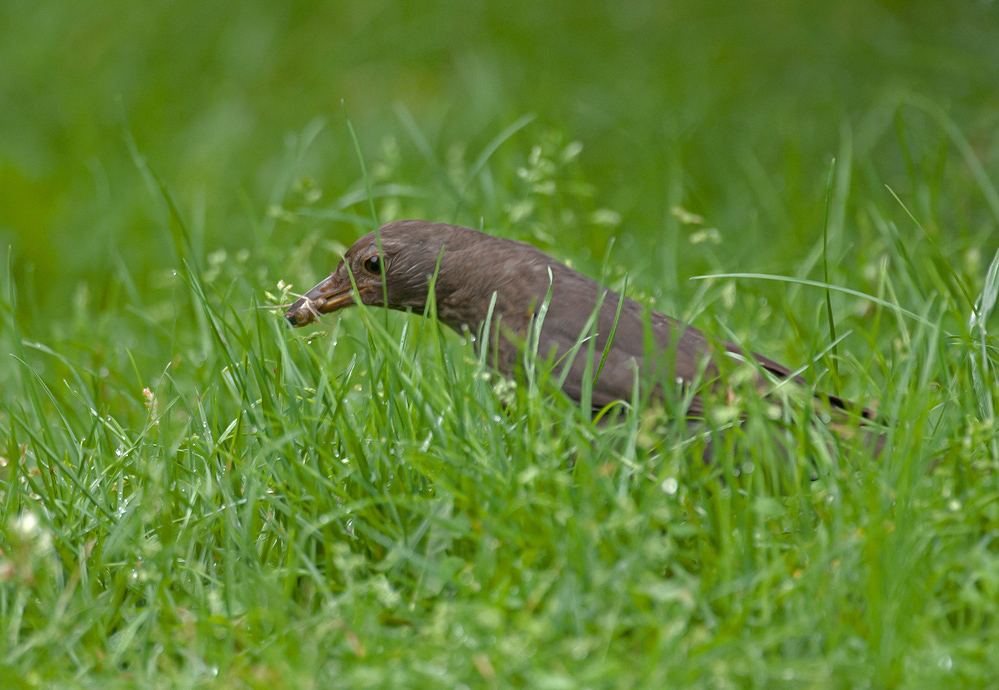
[[731, 110], [194, 495]]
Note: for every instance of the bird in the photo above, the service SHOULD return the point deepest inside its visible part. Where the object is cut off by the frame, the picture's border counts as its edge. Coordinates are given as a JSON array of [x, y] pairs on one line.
[[523, 297]]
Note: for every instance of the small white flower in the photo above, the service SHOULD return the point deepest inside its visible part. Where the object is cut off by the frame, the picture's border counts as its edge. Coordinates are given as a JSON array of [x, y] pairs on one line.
[[26, 526]]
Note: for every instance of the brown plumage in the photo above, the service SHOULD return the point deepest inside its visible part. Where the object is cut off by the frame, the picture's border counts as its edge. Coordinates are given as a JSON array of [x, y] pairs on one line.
[[474, 266]]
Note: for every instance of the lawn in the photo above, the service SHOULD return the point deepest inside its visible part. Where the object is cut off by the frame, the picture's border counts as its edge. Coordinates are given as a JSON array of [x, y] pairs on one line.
[[194, 495]]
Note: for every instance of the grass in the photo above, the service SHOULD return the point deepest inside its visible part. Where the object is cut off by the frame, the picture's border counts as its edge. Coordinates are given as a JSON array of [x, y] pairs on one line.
[[193, 495]]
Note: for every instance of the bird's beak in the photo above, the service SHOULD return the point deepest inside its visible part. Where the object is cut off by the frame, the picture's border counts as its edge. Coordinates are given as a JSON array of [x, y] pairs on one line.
[[330, 295]]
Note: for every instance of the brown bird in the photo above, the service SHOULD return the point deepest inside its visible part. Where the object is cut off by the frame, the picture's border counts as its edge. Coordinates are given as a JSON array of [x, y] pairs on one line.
[[477, 277]]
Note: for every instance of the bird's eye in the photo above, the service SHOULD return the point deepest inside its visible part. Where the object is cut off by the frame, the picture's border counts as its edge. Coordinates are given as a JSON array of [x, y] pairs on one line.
[[373, 265]]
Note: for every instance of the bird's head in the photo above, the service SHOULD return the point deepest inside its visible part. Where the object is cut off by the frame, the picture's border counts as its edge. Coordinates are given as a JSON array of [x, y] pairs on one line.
[[390, 267]]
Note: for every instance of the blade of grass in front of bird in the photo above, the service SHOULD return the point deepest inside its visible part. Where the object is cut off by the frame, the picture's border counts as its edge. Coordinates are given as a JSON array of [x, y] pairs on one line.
[[825, 268], [613, 331], [978, 324]]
